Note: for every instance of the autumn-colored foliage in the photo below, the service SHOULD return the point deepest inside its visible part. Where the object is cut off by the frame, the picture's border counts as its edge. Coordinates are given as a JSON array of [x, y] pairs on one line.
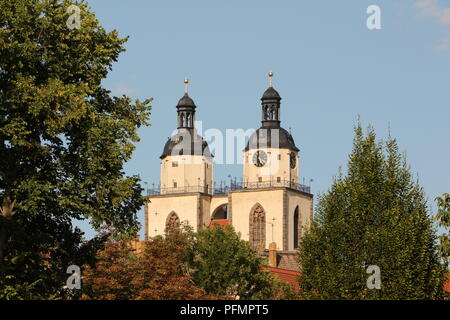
[[158, 273]]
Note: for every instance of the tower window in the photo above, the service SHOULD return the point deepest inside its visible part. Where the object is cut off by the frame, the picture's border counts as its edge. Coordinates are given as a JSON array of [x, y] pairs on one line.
[[259, 179], [257, 230], [188, 120], [172, 222], [175, 164], [279, 157], [182, 120], [174, 184], [278, 179]]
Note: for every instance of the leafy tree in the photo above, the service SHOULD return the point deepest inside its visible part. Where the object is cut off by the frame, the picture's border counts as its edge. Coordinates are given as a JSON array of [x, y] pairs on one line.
[[63, 143], [167, 266], [443, 218], [158, 273], [223, 264], [374, 215], [276, 289]]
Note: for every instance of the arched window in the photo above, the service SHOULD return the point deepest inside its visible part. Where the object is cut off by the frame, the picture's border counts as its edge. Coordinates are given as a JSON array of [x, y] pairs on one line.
[[257, 227], [182, 120], [266, 113], [297, 228], [220, 213], [172, 222], [188, 120], [273, 112]]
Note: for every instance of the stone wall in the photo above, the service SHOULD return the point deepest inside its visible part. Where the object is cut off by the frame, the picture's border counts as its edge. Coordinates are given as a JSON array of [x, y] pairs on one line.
[[285, 259]]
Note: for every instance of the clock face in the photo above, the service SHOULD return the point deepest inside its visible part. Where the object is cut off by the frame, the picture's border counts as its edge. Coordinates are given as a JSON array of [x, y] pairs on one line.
[[293, 160], [260, 158]]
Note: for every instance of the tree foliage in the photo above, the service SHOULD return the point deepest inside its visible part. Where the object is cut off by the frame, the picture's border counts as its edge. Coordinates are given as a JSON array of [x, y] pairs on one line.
[[443, 218], [223, 264], [374, 215], [158, 273], [183, 265], [63, 142]]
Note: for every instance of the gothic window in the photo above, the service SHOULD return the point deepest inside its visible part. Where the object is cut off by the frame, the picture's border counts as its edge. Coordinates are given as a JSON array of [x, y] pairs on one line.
[[258, 227], [172, 222]]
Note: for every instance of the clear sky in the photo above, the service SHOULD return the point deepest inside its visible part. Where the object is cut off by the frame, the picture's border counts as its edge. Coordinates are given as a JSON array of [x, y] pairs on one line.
[[329, 68]]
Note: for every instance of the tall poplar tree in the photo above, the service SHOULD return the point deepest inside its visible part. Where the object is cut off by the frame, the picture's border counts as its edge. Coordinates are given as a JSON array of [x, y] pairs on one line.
[[443, 219], [63, 142], [375, 214]]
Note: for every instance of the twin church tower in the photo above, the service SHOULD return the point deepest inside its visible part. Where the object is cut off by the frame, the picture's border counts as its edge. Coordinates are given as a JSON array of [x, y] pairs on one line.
[[267, 206]]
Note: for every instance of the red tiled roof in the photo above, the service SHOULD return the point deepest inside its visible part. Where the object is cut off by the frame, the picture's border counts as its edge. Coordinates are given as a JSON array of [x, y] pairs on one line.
[[220, 222], [447, 284], [285, 275], [291, 277]]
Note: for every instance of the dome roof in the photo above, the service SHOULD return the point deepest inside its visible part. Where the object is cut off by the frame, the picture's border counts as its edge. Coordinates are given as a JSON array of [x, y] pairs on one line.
[[186, 142], [271, 93], [186, 101], [262, 138]]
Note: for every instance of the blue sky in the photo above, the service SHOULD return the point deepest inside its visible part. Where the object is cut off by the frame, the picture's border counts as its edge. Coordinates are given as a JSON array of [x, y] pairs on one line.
[[329, 68]]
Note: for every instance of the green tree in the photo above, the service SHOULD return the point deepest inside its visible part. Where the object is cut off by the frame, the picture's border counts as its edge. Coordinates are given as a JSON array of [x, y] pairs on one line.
[[443, 218], [374, 215], [63, 143], [223, 264], [156, 272]]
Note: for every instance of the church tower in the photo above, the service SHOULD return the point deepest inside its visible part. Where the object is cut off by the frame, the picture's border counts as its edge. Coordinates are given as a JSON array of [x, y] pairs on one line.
[[270, 208], [186, 162], [271, 156], [186, 180]]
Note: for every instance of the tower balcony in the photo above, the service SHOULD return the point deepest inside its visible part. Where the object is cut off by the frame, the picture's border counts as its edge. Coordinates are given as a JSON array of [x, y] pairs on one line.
[[186, 189], [269, 184], [223, 188]]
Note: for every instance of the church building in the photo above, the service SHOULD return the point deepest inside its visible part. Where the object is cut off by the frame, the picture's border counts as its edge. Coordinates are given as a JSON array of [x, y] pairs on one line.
[[268, 207]]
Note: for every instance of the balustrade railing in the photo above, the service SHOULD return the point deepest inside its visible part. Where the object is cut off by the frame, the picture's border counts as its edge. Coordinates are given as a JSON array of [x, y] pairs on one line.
[[224, 188]]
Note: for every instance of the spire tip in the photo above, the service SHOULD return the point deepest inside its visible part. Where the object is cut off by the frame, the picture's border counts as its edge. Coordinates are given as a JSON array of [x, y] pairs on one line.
[[186, 82]]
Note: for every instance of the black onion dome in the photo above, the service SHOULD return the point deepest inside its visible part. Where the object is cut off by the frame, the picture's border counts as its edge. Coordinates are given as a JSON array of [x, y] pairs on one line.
[[186, 101], [186, 142], [262, 138], [271, 93]]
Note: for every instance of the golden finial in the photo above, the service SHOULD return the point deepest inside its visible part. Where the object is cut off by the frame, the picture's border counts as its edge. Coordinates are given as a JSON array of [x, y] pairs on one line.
[[186, 82], [270, 78]]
